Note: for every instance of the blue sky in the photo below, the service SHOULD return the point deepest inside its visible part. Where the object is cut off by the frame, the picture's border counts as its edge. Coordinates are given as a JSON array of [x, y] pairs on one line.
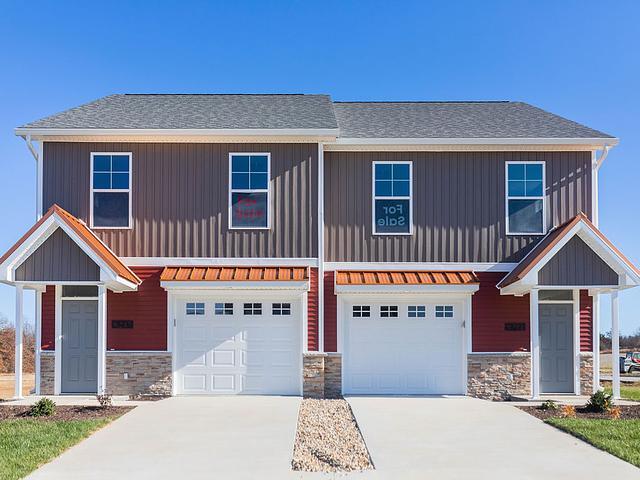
[[575, 58]]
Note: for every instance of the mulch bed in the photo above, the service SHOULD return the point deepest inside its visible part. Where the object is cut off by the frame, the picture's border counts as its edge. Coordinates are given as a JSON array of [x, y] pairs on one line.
[[627, 412], [328, 439], [63, 412]]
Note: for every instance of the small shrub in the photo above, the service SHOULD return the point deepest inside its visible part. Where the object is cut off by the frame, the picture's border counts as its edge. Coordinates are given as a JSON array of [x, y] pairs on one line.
[[45, 407], [549, 405], [615, 412], [105, 400], [568, 411], [600, 402]]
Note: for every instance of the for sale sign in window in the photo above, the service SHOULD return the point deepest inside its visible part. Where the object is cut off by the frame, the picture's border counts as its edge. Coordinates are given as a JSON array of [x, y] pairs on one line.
[[249, 210], [392, 216]]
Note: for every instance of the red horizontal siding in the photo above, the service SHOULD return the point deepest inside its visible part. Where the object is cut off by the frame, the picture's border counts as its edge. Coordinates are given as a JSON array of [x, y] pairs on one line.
[[586, 321], [147, 307], [312, 311], [490, 313], [47, 340], [330, 314]]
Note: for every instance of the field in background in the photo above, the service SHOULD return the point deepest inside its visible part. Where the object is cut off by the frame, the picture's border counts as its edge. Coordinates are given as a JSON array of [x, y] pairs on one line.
[[7, 385]]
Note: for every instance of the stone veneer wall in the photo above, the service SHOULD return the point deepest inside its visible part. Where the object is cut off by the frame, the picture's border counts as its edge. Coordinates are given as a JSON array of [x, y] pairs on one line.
[[322, 375], [586, 373], [498, 376], [47, 372], [149, 373]]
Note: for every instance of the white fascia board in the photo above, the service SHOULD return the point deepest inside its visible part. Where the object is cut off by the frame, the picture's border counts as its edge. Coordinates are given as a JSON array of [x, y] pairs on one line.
[[218, 262], [29, 245], [477, 141], [240, 132], [420, 266], [405, 289], [235, 285]]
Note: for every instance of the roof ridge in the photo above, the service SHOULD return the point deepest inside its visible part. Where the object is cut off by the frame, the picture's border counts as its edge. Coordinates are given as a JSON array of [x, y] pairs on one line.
[[425, 101]]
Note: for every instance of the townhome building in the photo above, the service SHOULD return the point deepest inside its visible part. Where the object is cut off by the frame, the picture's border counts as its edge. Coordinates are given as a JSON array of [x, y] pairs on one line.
[[293, 245]]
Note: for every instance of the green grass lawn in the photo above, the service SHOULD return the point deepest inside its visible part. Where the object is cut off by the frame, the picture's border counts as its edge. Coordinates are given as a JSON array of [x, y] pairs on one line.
[[618, 437], [627, 391], [27, 444]]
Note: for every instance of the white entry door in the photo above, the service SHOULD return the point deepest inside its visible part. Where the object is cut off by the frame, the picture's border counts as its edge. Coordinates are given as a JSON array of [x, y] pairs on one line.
[[403, 347], [239, 347]]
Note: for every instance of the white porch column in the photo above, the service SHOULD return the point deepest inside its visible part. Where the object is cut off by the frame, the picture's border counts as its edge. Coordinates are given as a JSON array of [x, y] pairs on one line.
[[535, 343], [102, 339], [19, 325], [615, 344], [38, 325], [596, 342]]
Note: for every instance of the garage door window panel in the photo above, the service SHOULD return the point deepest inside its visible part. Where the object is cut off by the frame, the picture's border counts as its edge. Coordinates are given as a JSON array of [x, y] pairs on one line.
[[195, 308], [360, 311], [389, 311], [444, 311], [223, 308], [252, 309], [416, 311], [281, 309]]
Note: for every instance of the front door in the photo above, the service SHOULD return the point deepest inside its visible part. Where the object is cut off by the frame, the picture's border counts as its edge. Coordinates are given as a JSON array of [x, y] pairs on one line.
[[556, 348], [79, 346]]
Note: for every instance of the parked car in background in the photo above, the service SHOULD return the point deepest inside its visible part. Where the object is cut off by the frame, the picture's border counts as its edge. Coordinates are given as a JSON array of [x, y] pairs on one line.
[[631, 362]]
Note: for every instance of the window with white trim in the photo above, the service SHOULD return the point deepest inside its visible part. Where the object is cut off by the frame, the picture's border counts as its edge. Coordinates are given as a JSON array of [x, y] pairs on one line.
[[253, 309], [525, 198], [223, 308], [110, 190], [360, 311], [249, 202], [195, 308], [416, 311], [392, 198], [387, 311], [281, 309], [444, 311]]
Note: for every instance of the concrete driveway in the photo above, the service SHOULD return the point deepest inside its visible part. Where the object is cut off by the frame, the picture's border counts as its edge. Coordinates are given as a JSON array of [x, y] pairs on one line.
[[188, 437], [454, 438]]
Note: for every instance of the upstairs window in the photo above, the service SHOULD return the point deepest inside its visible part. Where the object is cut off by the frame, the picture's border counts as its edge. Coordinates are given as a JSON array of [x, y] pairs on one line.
[[392, 191], [525, 198], [111, 190], [249, 201]]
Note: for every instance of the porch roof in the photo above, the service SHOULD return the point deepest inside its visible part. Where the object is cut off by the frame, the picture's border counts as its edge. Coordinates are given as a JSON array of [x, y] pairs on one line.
[[525, 274], [113, 271]]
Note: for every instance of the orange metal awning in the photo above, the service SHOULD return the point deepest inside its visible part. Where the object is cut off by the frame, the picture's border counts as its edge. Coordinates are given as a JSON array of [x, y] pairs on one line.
[[231, 274], [364, 277]]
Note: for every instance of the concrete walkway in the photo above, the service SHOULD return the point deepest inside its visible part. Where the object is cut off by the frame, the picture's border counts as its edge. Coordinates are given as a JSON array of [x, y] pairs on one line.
[[454, 438], [193, 437]]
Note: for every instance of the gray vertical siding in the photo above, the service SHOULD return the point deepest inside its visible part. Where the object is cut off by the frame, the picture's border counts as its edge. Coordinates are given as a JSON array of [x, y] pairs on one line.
[[458, 205], [58, 259], [180, 198], [576, 264]]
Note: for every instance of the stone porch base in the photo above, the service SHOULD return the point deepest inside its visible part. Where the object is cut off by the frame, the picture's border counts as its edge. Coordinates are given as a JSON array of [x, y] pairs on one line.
[[149, 373], [499, 376]]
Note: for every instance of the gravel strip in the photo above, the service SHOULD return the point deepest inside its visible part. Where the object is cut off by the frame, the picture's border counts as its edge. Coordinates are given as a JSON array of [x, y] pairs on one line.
[[328, 439]]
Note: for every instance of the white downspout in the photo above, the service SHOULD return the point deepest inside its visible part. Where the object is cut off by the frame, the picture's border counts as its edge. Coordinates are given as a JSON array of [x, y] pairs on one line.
[[320, 247], [37, 155], [596, 163]]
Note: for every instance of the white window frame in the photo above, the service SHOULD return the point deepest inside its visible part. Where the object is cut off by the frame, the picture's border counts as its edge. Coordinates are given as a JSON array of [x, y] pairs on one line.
[[374, 197], [508, 197], [114, 190], [249, 190]]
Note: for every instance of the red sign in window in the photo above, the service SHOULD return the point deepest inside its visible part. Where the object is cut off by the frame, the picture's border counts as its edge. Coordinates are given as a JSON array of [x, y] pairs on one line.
[[249, 209]]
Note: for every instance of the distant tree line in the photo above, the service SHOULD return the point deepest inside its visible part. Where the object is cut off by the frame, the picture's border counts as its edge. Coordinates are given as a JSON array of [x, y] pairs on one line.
[[627, 342], [7, 347]]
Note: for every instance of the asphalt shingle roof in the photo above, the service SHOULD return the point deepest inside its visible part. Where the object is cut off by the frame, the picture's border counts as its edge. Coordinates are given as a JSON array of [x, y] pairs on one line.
[[169, 111], [354, 119], [454, 120]]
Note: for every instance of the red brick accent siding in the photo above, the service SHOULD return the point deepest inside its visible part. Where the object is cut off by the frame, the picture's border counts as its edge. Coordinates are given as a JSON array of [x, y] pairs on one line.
[[491, 311], [147, 307], [48, 318], [312, 311], [586, 321], [330, 314]]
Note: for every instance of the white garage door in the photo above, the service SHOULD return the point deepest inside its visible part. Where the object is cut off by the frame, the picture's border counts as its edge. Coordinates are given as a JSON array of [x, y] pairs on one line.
[[410, 347], [237, 347]]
